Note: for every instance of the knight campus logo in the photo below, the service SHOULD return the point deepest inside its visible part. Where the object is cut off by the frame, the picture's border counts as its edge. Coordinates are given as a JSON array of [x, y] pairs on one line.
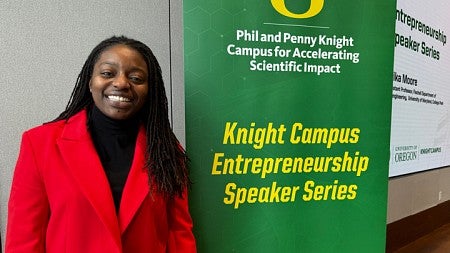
[[314, 9]]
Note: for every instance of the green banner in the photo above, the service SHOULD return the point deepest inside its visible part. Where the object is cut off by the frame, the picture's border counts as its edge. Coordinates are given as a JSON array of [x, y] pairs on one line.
[[288, 107]]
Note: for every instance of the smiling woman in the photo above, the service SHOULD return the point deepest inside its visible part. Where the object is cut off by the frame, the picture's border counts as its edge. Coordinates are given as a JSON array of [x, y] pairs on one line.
[[79, 182], [119, 83]]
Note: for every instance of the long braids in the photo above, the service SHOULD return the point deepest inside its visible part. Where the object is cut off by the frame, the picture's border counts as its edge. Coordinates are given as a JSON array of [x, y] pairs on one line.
[[163, 147], [166, 160]]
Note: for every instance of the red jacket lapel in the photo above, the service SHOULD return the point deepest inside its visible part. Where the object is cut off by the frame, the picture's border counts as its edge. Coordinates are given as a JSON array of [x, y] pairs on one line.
[[136, 187], [79, 152]]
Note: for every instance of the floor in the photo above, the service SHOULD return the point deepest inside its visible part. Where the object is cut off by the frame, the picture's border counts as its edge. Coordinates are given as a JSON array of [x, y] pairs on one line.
[[436, 242]]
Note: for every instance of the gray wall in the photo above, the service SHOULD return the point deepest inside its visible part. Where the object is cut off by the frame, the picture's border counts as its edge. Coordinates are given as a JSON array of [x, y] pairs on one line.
[[410, 194], [43, 46]]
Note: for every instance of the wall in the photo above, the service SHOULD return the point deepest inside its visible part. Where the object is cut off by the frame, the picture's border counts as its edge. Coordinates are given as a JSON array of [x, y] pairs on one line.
[[414, 193], [44, 45]]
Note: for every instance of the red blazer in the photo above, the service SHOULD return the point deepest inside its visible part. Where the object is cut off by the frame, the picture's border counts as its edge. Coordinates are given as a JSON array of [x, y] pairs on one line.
[[61, 201]]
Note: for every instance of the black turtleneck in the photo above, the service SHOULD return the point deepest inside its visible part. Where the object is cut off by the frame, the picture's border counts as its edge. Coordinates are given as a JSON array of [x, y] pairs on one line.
[[115, 141]]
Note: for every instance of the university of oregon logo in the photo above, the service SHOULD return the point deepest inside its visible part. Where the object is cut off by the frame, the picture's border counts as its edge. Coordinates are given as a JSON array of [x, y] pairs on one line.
[[314, 9]]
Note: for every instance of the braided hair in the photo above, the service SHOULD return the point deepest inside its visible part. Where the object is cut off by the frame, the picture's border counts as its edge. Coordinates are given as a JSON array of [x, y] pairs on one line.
[[166, 159]]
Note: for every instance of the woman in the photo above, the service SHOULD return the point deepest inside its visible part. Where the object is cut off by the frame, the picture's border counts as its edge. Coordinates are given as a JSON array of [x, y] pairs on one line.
[[108, 174]]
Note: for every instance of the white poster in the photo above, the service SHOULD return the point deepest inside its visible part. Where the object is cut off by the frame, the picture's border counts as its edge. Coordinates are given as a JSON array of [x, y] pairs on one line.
[[420, 133]]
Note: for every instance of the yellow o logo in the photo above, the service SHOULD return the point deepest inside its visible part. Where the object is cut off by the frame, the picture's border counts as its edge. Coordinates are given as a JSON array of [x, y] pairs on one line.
[[314, 9]]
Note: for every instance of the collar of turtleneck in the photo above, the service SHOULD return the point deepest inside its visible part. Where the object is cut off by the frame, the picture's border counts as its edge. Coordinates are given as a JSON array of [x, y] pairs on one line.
[[103, 124]]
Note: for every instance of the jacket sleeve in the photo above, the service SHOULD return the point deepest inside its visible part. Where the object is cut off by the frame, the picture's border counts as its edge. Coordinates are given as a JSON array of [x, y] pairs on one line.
[[181, 237], [28, 208]]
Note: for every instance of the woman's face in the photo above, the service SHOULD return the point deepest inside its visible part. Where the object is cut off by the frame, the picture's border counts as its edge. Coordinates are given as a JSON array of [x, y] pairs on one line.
[[119, 82]]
